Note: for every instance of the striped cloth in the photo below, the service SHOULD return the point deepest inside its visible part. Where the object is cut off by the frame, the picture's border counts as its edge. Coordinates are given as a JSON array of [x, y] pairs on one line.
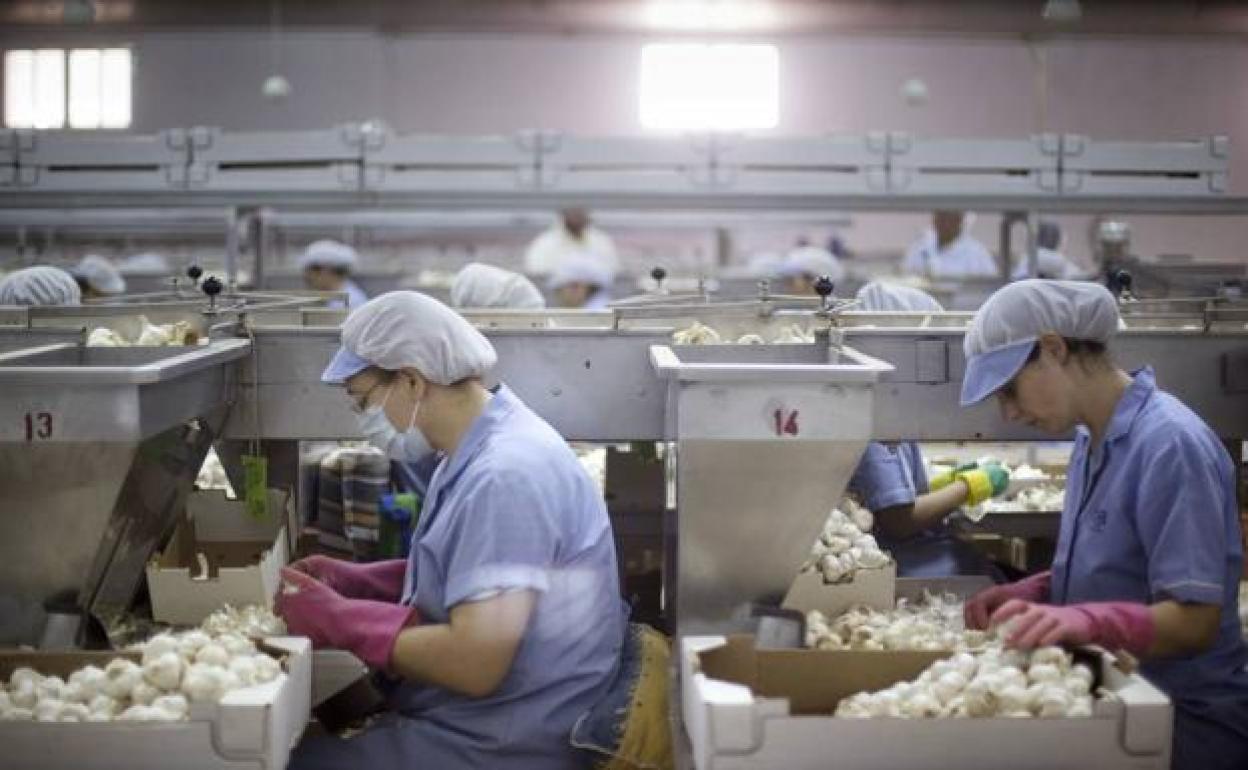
[[350, 485]]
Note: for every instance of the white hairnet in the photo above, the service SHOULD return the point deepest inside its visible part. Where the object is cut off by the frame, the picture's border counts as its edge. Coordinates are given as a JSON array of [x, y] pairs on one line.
[[812, 261], [1024, 310], [100, 274], [409, 329], [41, 285], [480, 285], [878, 296], [328, 254], [581, 267], [1004, 331]]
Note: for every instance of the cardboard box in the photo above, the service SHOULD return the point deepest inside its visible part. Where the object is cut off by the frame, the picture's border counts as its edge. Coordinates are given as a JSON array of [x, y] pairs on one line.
[[873, 587], [250, 729], [334, 671], [219, 555], [746, 708]]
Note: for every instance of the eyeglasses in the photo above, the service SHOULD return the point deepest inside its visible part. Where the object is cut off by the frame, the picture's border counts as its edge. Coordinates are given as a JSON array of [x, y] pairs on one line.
[[360, 403]]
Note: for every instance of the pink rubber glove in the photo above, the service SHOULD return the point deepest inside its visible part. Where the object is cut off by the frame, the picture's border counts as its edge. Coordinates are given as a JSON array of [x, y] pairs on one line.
[[366, 628], [979, 607], [380, 580], [1113, 625]]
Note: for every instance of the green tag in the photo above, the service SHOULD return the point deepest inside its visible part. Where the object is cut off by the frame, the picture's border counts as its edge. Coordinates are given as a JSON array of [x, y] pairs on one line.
[[256, 485]]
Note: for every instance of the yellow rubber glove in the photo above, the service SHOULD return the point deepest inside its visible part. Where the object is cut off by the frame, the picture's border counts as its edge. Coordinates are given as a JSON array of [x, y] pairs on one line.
[[984, 483], [942, 480]]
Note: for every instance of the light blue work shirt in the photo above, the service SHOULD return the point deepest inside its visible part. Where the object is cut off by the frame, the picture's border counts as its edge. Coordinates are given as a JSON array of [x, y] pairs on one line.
[[355, 296], [892, 475], [1151, 515], [512, 509]]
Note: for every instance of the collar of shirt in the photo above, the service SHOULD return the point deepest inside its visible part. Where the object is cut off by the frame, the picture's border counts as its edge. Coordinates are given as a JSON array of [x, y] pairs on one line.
[[501, 404], [1143, 385]]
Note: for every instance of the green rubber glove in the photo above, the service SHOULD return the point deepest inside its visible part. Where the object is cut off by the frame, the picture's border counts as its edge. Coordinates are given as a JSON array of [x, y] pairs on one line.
[[983, 483]]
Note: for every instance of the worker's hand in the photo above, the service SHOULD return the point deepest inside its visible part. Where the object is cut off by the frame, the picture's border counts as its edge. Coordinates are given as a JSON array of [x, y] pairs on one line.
[[1114, 625], [980, 607], [380, 580], [942, 480], [984, 482], [366, 628]]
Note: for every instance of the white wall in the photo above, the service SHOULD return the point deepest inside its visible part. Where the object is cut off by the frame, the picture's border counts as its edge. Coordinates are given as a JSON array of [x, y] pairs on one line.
[[1129, 88]]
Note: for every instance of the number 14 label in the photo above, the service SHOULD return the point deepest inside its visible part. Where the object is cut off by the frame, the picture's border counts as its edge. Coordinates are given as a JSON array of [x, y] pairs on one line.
[[785, 421]]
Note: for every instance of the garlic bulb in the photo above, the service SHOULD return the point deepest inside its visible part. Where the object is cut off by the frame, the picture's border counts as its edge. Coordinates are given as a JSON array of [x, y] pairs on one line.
[[24, 674], [163, 671], [213, 654], [50, 687], [159, 645], [23, 694], [190, 643], [203, 683], [174, 706], [143, 694], [48, 710], [697, 334], [89, 680], [267, 669], [103, 704], [250, 621], [236, 645], [73, 712], [843, 547], [121, 677]]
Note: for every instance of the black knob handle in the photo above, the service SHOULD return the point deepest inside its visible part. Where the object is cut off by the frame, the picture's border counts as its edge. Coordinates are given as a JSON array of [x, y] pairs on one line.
[[824, 286], [658, 274], [212, 286], [1120, 281], [194, 272]]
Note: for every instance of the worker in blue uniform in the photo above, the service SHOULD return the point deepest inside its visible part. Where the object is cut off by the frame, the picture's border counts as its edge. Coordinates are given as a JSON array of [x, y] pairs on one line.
[[890, 480], [505, 624], [1149, 555]]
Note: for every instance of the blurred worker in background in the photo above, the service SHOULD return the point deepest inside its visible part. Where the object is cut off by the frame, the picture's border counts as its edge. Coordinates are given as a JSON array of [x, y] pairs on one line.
[[910, 511], [485, 286], [1149, 554], [147, 263], [97, 277], [948, 251], [573, 234], [327, 266], [40, 285], [1050, 262], [803, 266], [504, 625], [581, 282]]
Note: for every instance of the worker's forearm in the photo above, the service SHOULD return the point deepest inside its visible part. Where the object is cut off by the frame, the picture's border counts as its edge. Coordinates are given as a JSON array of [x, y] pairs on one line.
[[931, 508], [1183, 629], [430, 654]]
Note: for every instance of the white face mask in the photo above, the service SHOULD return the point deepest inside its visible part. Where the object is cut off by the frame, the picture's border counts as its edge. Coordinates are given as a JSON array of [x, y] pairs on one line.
[[409, 446]]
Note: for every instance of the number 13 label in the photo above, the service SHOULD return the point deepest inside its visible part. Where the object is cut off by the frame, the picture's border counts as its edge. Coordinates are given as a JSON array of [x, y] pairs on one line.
[[38, 426]]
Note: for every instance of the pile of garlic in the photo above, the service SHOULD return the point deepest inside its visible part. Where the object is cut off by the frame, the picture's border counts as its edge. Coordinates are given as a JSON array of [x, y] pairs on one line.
[[992, 683], [176, 670], [932, 624], [701, 334], [252, 621], [150, 335], [1046, 497], [846, 545]]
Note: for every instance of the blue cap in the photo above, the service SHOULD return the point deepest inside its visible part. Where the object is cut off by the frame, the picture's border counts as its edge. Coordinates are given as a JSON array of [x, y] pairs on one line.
[[344, 365], [991, 370]]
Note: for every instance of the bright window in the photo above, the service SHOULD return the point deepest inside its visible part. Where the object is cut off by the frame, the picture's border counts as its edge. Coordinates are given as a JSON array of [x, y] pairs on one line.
[[710, 86], [82, 88]]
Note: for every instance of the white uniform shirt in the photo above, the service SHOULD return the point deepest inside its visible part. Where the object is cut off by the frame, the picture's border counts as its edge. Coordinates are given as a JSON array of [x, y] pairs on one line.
[[963, 258], [553, 246]]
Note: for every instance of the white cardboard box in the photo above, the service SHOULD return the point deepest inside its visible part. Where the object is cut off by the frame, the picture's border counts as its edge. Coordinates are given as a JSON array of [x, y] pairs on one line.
[[243, 557], [873, 587], [732, 726], [250, 729]]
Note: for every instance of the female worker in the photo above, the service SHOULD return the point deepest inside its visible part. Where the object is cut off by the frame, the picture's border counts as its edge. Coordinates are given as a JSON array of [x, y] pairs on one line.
[[1149, 554], [891, 482], [505, 624]]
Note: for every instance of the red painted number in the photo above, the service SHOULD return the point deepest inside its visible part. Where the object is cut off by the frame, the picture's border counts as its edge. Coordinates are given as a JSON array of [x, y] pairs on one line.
[[38, 425], [786, 422]]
